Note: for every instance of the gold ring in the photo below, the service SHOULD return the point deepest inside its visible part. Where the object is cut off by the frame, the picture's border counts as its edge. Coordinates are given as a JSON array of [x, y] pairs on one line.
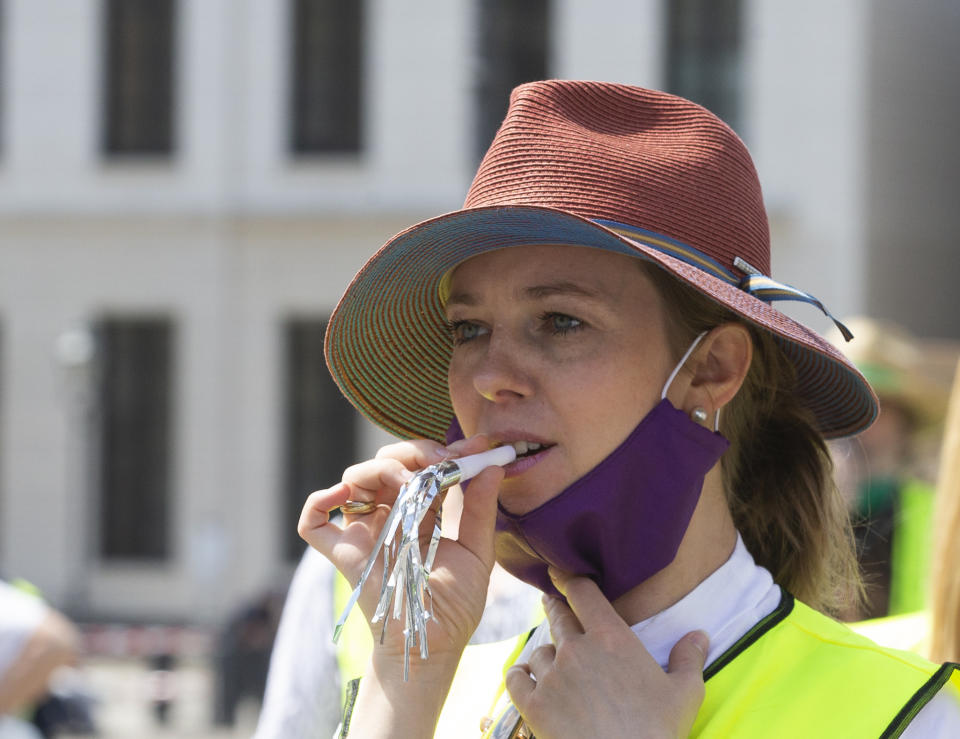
[[358, 507]]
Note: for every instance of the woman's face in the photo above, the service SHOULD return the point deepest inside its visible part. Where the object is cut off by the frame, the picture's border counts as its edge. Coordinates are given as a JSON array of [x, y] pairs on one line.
[[558, 346]]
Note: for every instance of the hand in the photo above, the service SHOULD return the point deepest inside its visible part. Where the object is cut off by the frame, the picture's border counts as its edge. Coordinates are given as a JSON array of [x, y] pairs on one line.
[[597, 678], [462, 568]]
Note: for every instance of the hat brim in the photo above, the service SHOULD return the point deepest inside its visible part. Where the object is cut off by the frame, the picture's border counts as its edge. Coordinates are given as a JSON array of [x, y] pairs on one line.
[[388, 349]]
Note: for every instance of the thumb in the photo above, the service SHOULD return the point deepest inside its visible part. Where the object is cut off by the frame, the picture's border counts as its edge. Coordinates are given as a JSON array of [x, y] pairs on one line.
[[479, 516], [689, 655]]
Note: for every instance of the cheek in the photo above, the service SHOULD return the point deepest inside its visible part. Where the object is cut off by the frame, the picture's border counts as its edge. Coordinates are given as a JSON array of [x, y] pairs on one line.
[[606, 405], [461, 391]]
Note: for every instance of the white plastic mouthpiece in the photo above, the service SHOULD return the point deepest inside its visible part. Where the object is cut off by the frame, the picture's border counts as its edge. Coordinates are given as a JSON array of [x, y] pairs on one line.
[[474, 464]]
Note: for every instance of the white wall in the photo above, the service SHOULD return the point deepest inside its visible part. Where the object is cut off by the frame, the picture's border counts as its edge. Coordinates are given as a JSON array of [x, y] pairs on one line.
[[231, 87], [228, 285], [806, 107], [611, 40]]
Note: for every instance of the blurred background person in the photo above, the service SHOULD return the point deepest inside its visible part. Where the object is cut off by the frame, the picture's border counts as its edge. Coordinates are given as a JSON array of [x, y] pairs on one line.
[[934, 631], [242, 656], [35, 641], [887, 473]]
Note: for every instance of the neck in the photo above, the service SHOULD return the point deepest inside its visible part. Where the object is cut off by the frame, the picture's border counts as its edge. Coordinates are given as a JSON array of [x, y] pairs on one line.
[[707, 544]]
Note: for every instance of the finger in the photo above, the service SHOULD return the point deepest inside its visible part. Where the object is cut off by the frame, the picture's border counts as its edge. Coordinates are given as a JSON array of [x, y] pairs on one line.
[[588, 604], [315, 514], [414, 454], [369, 478], [316, 508], [479, 515], [689, 655], [519, 684], [463, 447], [563, 622], [541, 659]]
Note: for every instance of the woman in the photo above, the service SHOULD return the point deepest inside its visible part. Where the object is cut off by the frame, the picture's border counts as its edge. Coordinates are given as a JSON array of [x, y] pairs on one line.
[[602, 303]]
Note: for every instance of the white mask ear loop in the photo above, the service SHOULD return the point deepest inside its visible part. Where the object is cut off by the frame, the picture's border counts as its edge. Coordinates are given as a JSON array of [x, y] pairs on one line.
[[673, 375]]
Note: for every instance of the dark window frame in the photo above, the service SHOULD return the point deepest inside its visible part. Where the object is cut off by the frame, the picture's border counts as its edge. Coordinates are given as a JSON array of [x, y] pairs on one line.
[[133, 451], [704, 54], [320, 427], [513, 45], [324, 34], [139, 78]]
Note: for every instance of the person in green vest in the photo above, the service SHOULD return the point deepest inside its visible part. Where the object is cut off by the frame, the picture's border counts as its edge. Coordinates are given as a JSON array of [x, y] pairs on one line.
[[887, 471], [934, 631], [603, 304]]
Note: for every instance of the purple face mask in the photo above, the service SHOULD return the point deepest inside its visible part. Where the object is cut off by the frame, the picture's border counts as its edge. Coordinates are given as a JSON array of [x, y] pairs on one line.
[[624, 520]]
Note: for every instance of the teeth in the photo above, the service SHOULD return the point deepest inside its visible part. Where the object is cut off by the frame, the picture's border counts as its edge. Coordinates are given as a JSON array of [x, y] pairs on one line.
[[525, 447]]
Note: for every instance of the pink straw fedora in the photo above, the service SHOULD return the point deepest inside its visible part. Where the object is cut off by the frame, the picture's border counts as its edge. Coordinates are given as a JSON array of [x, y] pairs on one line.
[[603, 165]]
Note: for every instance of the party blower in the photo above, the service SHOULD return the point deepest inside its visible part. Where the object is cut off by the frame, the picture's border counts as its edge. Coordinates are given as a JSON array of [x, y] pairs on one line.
[[408, 583]]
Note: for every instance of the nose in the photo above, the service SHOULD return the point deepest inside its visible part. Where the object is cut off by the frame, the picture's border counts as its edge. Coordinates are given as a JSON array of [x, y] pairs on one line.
[[501, 373]]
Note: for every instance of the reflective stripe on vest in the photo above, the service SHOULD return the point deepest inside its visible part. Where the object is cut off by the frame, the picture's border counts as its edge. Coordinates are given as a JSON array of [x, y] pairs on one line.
[[798, 673]]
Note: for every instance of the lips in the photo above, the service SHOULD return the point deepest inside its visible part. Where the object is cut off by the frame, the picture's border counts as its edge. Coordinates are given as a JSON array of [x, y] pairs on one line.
[[522, 464], [530, 451]]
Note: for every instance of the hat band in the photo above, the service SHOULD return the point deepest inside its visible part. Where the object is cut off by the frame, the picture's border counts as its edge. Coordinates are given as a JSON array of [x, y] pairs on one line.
[[753, 282]]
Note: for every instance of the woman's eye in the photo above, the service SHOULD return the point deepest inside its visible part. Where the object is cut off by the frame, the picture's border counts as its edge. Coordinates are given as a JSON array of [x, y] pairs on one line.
[[561, 323], [463, 331]]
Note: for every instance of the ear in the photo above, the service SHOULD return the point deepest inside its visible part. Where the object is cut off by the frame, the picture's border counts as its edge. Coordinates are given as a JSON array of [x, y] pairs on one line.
[[719, 367]]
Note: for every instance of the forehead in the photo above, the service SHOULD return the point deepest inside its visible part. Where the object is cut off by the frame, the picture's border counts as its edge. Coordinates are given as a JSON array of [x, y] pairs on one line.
[[588, 269]]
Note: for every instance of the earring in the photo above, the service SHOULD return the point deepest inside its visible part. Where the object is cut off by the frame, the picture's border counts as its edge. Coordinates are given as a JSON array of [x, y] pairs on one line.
[[698, 414]]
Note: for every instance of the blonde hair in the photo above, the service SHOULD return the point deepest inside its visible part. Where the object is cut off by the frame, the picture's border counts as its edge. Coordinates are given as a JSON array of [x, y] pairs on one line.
[[777, 473], [945, 564]]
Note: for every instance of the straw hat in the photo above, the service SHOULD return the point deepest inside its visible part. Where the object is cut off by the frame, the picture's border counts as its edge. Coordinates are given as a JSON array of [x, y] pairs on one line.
[[915, 373], [603, 165]]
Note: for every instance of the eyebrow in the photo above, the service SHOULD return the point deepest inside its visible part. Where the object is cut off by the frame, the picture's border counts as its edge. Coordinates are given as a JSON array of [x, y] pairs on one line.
[[534, 292]]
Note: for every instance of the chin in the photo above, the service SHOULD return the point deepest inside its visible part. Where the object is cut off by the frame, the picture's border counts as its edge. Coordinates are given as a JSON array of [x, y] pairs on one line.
[[519, 499]]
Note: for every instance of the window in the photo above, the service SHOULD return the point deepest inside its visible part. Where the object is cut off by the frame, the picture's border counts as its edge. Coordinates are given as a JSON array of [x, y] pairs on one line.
[[513, 48], [704, 54], [3, 71], [138, 77], [320, 425], [135, 359], [327, 76]]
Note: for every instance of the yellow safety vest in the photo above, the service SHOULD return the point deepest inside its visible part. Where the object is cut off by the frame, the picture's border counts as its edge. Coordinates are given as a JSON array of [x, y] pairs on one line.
[[798, 673], [355, 643], [465, 704]]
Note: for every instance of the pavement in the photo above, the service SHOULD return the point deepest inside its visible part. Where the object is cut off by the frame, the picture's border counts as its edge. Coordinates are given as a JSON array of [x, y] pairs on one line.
[[123, 690]]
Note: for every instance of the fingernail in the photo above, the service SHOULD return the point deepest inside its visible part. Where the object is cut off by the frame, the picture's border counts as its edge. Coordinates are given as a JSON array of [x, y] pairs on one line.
[[701, 641], [556, 577], [406, 474], [442, 452]]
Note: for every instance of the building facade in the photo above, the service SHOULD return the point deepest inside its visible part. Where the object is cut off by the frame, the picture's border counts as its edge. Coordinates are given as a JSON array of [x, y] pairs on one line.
[[187, 187]]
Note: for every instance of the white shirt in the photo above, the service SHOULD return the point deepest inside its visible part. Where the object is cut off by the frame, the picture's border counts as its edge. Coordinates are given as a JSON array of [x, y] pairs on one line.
[[20, 615], [728, 604], [302, 698]]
